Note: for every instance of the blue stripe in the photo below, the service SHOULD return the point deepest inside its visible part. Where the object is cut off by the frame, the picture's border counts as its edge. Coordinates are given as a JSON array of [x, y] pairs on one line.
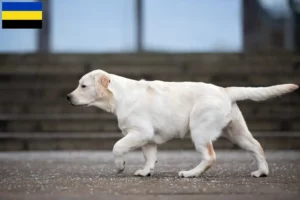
[[22, 6]]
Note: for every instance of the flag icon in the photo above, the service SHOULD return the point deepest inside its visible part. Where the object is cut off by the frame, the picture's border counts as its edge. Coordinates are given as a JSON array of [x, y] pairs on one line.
[[20, 15]]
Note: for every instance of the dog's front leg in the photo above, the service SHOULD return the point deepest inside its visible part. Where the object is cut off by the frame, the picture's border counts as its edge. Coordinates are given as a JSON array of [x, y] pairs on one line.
[[150, 152], [131, 141]]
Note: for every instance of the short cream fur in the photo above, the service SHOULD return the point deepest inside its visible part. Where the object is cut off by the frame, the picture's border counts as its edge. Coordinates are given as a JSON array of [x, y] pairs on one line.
[[154, 112]]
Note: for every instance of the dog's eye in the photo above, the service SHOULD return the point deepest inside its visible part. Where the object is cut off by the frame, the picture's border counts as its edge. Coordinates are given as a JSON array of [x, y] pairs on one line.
[[83, 86]]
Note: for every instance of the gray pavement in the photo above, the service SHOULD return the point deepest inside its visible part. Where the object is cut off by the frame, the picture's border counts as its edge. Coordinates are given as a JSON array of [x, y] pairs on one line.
[[91, 175]]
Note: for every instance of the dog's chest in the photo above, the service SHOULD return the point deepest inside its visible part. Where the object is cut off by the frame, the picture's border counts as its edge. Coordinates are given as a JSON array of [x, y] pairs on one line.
[[128, 123], [123, 125]]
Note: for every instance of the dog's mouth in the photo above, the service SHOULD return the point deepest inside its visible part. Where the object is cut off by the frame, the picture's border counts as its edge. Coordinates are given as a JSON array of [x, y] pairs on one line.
[[79, 105]]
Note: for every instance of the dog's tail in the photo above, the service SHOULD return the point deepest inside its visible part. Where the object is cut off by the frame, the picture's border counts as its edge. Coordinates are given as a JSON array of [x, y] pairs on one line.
[[259, 93]]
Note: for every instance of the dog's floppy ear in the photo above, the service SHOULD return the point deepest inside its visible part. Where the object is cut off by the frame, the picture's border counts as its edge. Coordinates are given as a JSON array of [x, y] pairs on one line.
[[103, 84], [104, 81]]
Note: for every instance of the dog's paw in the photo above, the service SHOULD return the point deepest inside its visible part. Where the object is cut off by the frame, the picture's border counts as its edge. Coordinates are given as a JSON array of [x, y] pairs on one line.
[[144, 172], [120, 164], [187, 174], [259, 173]]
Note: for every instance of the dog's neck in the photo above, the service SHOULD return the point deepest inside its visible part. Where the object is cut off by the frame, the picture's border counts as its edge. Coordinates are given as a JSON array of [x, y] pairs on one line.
[[121, 96]]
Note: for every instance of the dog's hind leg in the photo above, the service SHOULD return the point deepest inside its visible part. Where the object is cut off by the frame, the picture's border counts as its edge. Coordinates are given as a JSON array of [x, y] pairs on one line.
[[237, 132], [208, 158], [150, 153], [206, 123]]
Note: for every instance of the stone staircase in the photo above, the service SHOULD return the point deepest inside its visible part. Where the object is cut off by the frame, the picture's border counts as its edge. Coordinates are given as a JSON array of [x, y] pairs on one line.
[[35, 115]]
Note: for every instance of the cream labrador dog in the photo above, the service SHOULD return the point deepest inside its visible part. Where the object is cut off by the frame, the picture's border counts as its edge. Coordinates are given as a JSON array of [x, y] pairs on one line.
[[153, 112]]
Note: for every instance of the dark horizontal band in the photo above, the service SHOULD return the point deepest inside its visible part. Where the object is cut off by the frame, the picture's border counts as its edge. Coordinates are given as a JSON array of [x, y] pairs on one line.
[[24, 6], [26, 24]]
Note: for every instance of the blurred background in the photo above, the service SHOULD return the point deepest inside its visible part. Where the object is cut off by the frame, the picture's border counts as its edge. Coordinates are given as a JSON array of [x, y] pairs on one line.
[[227, 43]]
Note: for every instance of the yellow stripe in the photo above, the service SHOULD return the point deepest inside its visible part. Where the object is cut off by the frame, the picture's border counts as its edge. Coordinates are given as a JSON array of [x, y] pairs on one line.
[[22, 15]]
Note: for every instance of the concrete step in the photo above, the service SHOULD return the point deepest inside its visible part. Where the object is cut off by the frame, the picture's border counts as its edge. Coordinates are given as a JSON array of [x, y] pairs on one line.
[[273, 112], [220, 80], [59, 123], [38, 94], [52, 93], [149, 73], [81, 58], [95, 141], [139, 66], [108, 123], [287, 99], [134, 58], [155, 71], [35, 108], [250, 109]]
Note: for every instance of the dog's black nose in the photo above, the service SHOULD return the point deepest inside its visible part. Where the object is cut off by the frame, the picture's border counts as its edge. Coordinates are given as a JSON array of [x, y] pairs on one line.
[[69, 97]]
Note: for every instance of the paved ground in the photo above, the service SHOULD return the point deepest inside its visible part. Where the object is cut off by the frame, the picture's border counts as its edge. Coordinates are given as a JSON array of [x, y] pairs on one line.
[[91, 175]]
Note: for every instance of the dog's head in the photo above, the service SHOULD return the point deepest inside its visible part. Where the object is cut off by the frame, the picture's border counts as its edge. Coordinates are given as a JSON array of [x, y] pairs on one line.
[[94, 89]]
